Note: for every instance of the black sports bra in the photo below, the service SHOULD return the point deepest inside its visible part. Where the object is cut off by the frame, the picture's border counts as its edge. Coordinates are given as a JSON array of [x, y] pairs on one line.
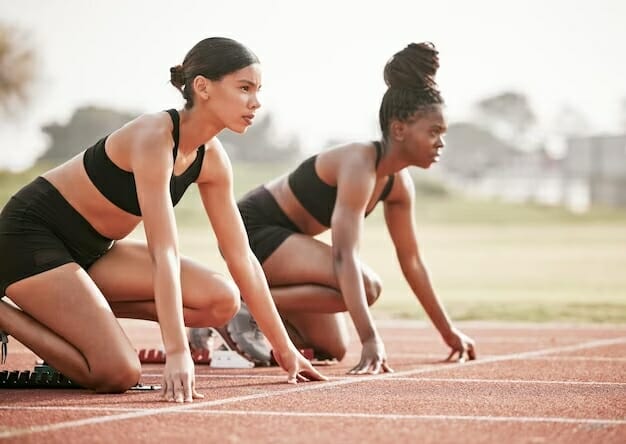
[[118, 185], [319, 198]]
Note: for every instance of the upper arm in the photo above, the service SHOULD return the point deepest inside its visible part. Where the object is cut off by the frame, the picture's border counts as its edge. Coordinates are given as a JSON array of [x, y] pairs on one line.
[[216, 190], [399, 210], [152, 164], [354, 188]]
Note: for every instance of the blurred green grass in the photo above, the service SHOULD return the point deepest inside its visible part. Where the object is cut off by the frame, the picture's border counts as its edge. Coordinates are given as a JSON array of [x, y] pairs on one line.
[[487, 259]]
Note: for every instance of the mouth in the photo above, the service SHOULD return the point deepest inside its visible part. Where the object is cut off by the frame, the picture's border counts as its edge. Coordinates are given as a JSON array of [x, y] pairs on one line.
[[248, 118], [437, 156]]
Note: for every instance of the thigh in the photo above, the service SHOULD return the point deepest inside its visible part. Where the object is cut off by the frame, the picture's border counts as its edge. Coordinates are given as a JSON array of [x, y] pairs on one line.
[[124, 274], [301, 259], [67, 301]]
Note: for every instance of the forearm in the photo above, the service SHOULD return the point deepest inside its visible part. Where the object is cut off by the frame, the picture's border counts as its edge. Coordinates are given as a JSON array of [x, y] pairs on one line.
[[249, 277], [417, 277], [351, 286], [169, 307]]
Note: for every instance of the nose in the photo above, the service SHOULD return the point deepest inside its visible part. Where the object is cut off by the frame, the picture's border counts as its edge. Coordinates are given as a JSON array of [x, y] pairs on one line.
[[440, 142], [255, 103]]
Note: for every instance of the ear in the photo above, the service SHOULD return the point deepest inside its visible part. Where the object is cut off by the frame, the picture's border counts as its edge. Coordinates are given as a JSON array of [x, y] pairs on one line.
[[397, 130], [202, 87]]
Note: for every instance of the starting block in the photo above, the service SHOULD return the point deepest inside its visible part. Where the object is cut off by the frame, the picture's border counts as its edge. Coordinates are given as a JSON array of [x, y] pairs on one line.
[[155, 356], [43, 376], [46, 377], [229, 359]]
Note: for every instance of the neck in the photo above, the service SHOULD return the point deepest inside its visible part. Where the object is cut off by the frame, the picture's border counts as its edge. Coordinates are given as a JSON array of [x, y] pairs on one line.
[[196, 128], [391, 162]]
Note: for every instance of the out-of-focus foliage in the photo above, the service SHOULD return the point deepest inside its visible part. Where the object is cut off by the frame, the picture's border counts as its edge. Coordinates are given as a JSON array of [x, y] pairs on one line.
[[507, 115], [17, 67], [86, 126], [260, 143], [89, 124], [471, 150]]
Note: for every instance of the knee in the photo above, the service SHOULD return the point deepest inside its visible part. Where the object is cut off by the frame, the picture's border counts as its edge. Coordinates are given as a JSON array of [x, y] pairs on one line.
[[117, 378], [339, 350], [214, 307], [226, 305], [373, 287], [333, 347]]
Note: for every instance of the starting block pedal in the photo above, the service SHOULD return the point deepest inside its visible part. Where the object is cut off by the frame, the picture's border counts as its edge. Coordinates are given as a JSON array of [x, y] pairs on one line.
[[46, 377], [43, 376], [151, 356], [155, 356], [229, 359], [201, 356], [144, 387]]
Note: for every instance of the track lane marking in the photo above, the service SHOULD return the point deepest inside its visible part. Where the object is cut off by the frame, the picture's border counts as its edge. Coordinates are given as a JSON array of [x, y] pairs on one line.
[[355, 415], [300, 388]]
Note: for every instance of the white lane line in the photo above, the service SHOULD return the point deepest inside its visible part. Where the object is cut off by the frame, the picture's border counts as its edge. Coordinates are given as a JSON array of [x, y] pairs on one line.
[[73, 408], [439, 358], [355, 415], [510, 381], [479, 340], [578, 358], [272, 377], [209, 376], [597, 421], [297, 389], [395, 324]]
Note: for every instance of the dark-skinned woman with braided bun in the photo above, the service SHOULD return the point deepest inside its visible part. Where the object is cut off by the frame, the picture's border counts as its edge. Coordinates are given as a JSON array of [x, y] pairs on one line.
[[312, 282]]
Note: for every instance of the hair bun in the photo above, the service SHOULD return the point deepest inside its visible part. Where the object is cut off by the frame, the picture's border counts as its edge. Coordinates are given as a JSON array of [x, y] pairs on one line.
[[177, 76], [414, 67]]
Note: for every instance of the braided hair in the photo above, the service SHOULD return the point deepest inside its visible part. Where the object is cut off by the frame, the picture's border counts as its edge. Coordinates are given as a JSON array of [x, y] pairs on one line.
[[410, 78]]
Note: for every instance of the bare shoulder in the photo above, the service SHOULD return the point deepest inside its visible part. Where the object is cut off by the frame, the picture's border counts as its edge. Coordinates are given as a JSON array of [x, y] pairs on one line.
[[358, 153], [349, 158], [216, 167], [403, 188], [146, 132]]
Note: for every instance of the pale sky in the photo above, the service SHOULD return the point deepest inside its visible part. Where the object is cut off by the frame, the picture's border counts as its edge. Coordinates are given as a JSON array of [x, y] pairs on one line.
[[322, 60]]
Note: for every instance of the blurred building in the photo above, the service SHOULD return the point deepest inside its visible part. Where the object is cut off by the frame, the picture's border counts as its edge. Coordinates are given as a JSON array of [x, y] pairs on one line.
[[596, 166], [592, 171], [477, 162]]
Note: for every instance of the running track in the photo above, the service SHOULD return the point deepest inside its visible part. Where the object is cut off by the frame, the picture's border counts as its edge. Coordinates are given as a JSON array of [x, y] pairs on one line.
[[532, 383]]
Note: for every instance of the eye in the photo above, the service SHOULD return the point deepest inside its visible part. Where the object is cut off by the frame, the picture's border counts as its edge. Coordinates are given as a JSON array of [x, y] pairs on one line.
[[245, 88]]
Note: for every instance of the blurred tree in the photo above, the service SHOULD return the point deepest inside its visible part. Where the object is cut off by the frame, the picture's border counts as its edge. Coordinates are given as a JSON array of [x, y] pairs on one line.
[[260, 143], [568, 122], [508, 116], [86, 126], [471, 151], [17, 67]]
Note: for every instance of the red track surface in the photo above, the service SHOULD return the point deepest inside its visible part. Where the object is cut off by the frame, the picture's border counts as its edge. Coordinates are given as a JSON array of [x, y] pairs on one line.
[[531, 384]]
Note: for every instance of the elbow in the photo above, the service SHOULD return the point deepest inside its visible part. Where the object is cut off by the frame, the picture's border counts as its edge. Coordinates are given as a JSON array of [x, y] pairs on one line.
[[165, 257], [342, 255]]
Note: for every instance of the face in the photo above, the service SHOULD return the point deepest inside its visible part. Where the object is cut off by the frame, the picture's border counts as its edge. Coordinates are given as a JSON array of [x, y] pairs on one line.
[[234, 98], [423, 137]]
